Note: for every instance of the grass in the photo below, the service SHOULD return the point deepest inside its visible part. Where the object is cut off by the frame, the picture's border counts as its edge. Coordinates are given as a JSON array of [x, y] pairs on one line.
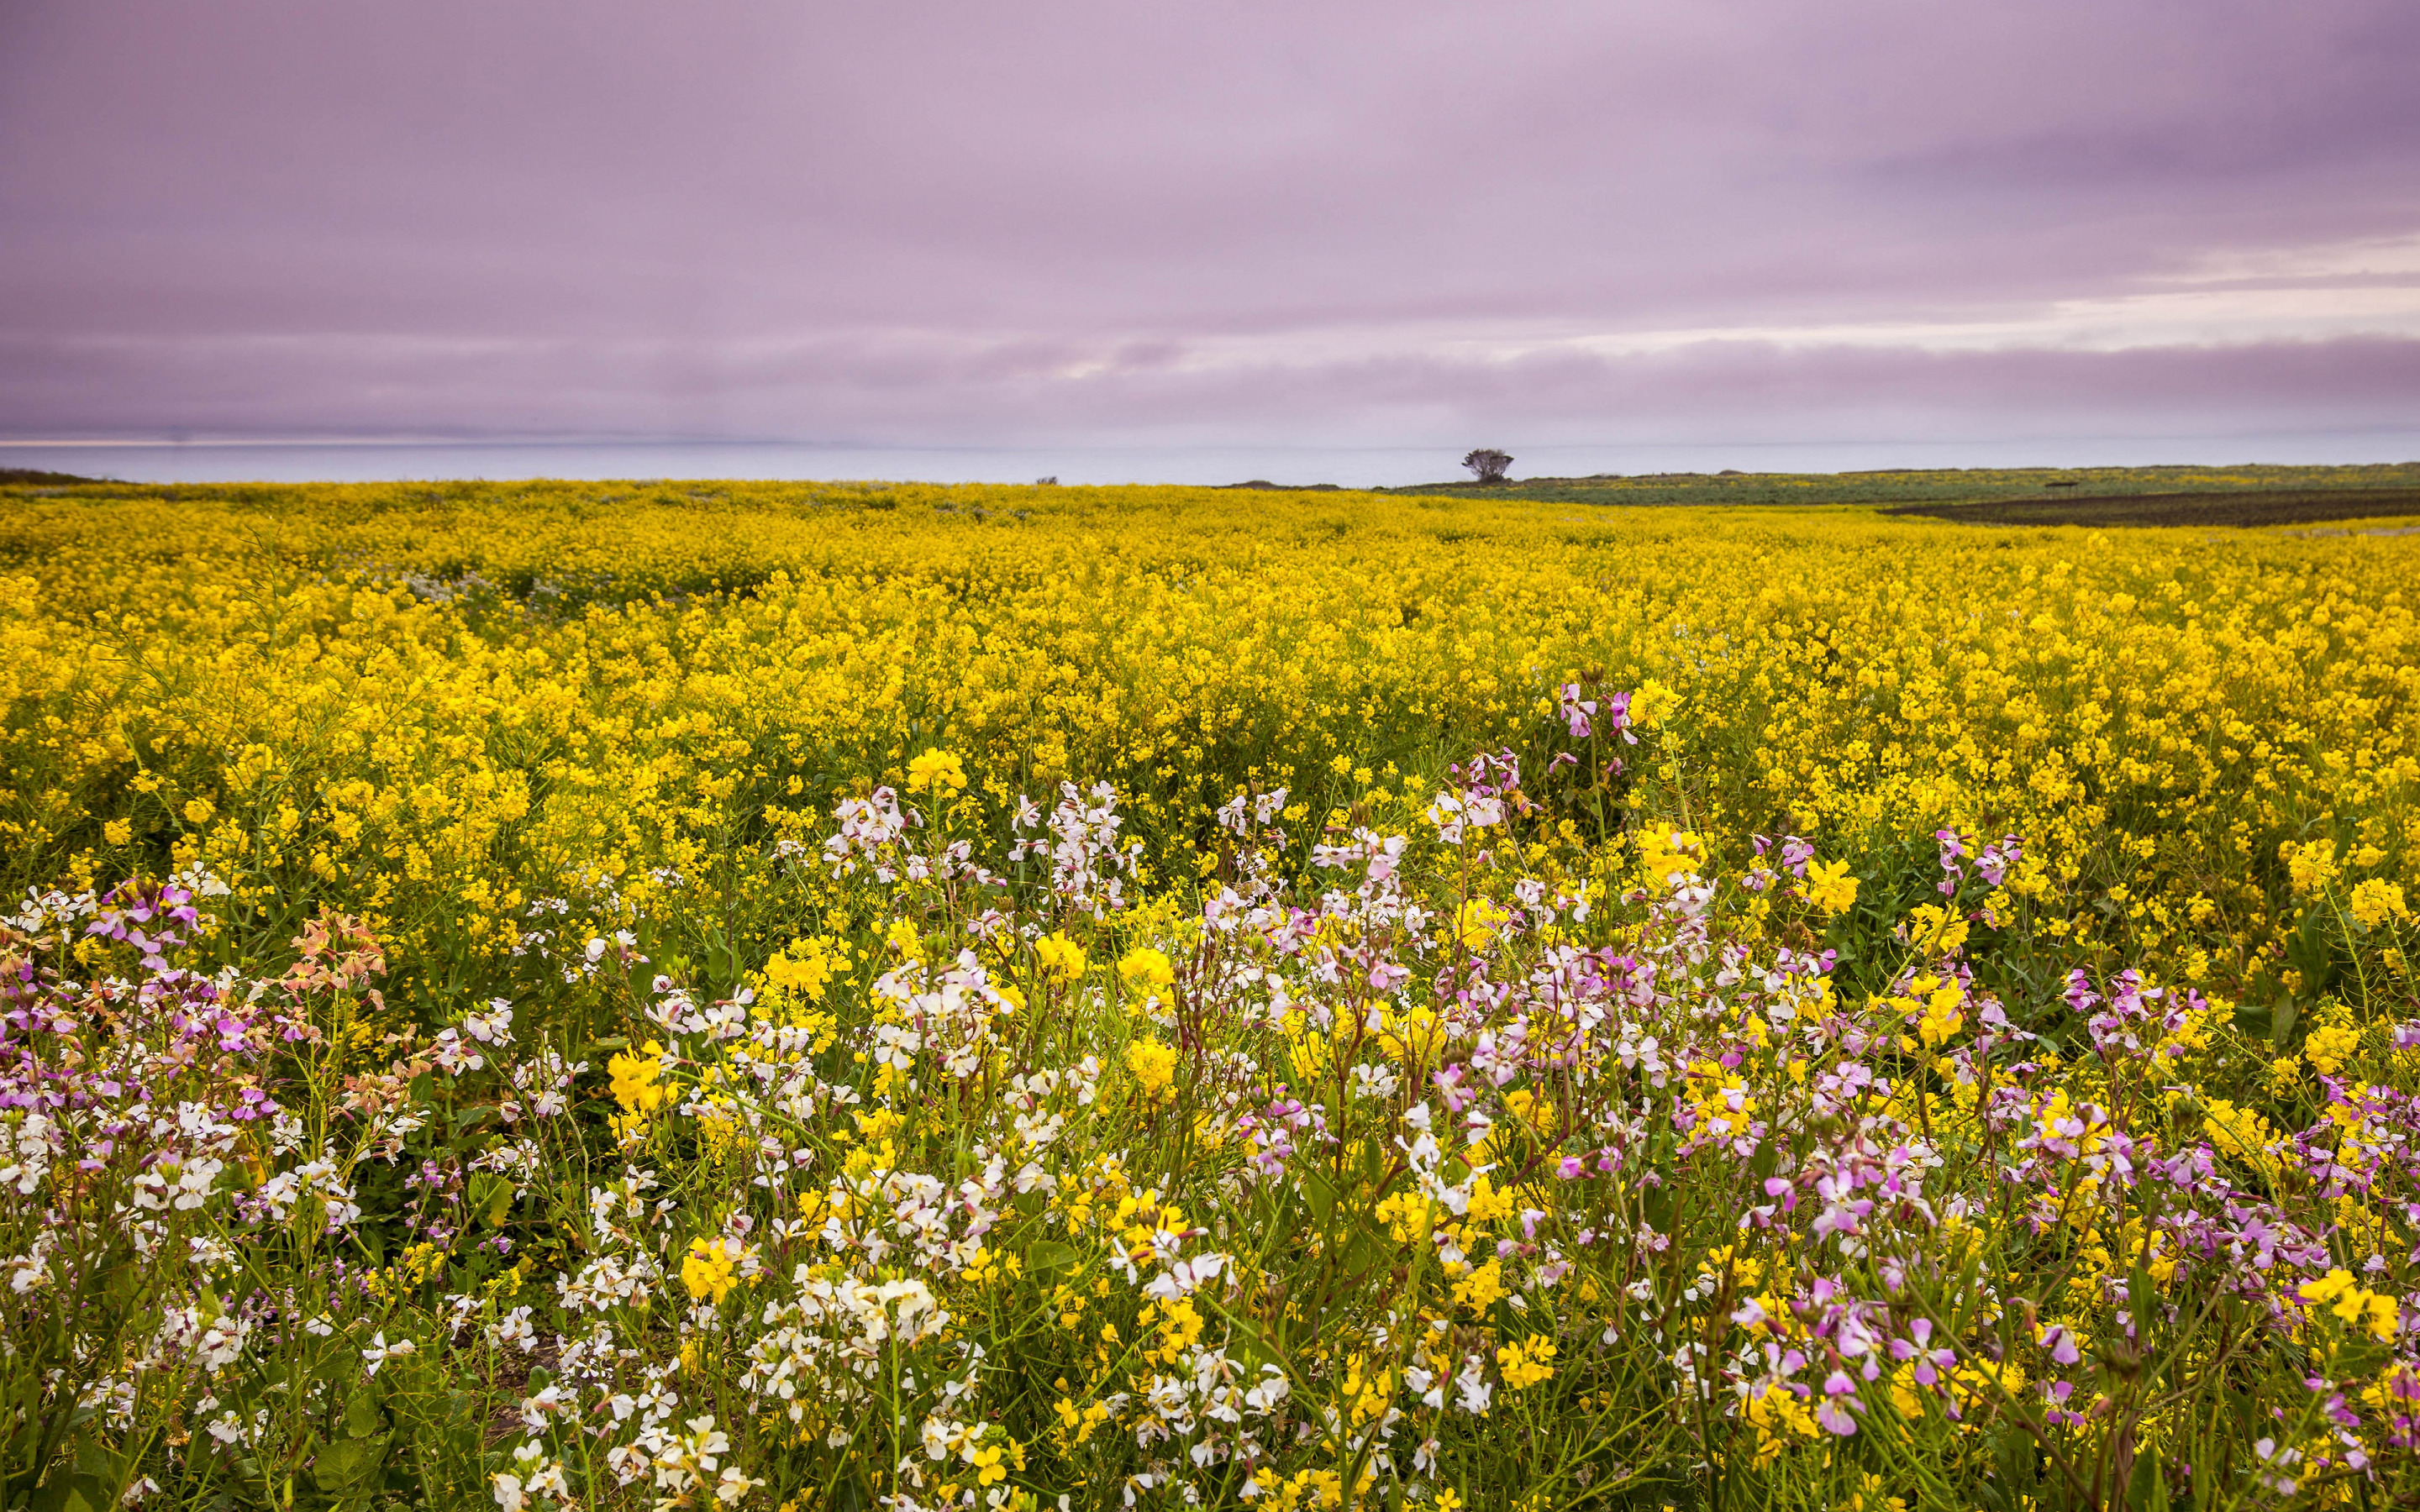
[[2279, 506], [1947, 486]]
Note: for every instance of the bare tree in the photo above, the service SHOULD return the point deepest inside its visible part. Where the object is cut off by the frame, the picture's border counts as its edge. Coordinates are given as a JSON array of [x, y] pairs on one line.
[[1489, 464]]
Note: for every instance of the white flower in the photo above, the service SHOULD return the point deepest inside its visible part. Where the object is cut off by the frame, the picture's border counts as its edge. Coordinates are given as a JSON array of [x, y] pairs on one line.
[[514, 1328], [380, 1351], [1181, 1278], [1475, 1391], [493, 1027]]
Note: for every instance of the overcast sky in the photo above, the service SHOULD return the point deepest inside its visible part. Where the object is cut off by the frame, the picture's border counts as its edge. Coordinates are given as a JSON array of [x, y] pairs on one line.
[[1141, 223]]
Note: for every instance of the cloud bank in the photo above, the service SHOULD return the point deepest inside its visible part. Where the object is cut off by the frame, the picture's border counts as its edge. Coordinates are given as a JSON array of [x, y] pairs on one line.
[[1216, 225]]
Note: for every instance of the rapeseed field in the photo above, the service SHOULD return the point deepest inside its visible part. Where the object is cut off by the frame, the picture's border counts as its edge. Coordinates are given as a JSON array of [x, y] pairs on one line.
[[805, 997]]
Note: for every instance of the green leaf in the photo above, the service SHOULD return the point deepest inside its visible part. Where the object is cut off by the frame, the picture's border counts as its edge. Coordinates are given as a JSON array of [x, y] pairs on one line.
[[1658, 1204], [361, 1416], [73, 1493], [99, 1460], [2014, 1450], [346, 1463], [491, 1197], [2146, 1490], [1047, 1258], [1321, 1198]]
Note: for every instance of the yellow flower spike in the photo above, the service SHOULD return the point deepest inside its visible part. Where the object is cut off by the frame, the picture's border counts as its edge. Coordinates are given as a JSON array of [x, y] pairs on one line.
[[1056, 955], [1942, 1015], [2311, 865], [936, 771], [1480, 1290], [1665, 855], [2328, 1047], [1652, 704], [636, 1080], [2375, 902], [1147, 972], [1154, 1066]]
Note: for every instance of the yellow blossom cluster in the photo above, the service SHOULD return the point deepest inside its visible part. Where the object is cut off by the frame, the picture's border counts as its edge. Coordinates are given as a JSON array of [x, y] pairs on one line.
[[440, 705]]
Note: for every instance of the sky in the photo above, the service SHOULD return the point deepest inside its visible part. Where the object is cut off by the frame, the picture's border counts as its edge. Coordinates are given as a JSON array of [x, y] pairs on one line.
[[1593, 231]]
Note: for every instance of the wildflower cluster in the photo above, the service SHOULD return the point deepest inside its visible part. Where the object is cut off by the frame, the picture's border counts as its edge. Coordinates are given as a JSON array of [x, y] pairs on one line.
[[1045, 1021], [1480, 1168]]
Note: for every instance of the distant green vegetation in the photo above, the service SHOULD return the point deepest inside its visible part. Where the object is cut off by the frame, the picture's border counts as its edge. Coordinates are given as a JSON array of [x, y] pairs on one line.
[[1940, 485], [2246, 506]]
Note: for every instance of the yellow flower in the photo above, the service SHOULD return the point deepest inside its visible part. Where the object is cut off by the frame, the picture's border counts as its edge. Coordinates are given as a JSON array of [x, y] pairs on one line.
[[1477, 920], [808, 973], [709, 1269], [1870, 1497], [1829, 887], [1779, 1414], [2328, 1047], [2311, 865], [936, 771], [1480, 1288], [1935, 930], [2376, 901], [1056, 955], [1154, 1066], [636, 1084], [1147, 972], [988, 1467], [1487, 1204], [2347, 1300], [1666, 854], [1524, 1363], [2240, 1132], [1942, 1015], [1405, 1213], [1652, 705]]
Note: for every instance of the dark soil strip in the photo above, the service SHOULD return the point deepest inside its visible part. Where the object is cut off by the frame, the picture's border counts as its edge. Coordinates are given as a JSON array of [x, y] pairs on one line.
[[2282, 506]]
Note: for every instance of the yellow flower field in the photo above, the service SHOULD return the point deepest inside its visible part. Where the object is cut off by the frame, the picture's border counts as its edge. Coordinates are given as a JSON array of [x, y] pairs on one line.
[[806, 996]]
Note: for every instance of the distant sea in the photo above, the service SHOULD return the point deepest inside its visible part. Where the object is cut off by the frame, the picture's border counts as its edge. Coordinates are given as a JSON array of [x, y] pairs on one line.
[[358, 461]]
